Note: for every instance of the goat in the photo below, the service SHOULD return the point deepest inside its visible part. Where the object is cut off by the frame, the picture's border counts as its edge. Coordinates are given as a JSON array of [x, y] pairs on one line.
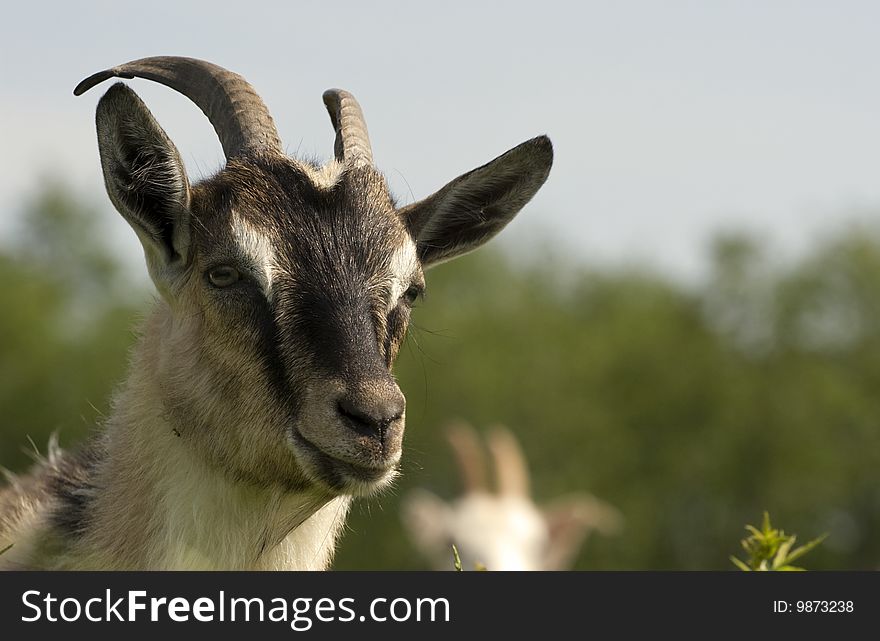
[[260, 397], [507, 530]]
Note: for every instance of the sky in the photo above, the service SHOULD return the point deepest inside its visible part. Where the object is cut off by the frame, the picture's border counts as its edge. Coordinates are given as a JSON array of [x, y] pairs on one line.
[[671, 121]]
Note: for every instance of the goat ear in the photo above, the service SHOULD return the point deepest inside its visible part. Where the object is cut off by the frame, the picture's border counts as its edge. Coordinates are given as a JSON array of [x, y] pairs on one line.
[[477, 205], [426, 517], [569, 520], [145, 179]]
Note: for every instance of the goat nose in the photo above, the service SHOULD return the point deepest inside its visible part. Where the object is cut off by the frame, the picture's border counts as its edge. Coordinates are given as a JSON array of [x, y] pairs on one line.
[[370, 414]]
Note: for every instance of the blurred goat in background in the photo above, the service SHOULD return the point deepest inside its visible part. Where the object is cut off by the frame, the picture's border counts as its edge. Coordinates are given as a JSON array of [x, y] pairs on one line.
[[504, 529]]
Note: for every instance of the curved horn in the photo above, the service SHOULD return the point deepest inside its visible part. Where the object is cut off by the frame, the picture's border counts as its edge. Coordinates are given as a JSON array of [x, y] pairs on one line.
[[352, 140], [469, 456], [510, 464], [237, 113]]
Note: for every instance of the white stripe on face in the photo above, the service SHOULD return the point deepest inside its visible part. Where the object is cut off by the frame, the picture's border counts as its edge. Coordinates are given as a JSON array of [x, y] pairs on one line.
[[404, 263], [256, 247]]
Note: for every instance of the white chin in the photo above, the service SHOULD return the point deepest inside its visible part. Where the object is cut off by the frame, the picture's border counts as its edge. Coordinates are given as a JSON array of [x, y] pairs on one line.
[[362, 488], [342, 477]]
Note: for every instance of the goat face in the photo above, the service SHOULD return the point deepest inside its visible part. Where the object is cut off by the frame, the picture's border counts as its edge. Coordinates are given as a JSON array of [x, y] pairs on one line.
[[287, 287], [300, 296], [505, 529]]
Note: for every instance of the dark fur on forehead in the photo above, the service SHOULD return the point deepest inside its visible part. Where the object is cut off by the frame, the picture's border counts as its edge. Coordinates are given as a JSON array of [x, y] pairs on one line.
[[278, 196]]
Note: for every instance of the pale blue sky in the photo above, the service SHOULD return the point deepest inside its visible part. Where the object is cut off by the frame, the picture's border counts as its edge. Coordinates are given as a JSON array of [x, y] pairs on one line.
[[670, 120]]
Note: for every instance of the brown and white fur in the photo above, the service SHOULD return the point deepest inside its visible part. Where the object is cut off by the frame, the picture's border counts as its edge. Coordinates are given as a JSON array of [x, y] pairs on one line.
[[505, 529], [260, 397]]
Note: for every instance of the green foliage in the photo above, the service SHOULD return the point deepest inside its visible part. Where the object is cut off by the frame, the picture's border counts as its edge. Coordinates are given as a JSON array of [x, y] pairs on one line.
[[770, 549], [65, 327]]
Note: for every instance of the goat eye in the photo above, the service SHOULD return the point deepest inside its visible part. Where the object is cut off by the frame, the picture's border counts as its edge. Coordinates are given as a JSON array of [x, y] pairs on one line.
[[223, 276], [411, 294]]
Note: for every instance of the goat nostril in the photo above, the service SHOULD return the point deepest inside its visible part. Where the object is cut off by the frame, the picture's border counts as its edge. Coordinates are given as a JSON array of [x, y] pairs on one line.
[[369, 421], [355, 418]]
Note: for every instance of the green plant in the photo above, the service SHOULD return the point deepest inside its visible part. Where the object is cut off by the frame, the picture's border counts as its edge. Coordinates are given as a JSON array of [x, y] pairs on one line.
[[456, 560], [770, 549]]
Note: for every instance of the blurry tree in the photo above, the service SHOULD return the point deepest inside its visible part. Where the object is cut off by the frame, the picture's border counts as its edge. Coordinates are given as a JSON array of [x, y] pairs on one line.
[[65, 326]]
